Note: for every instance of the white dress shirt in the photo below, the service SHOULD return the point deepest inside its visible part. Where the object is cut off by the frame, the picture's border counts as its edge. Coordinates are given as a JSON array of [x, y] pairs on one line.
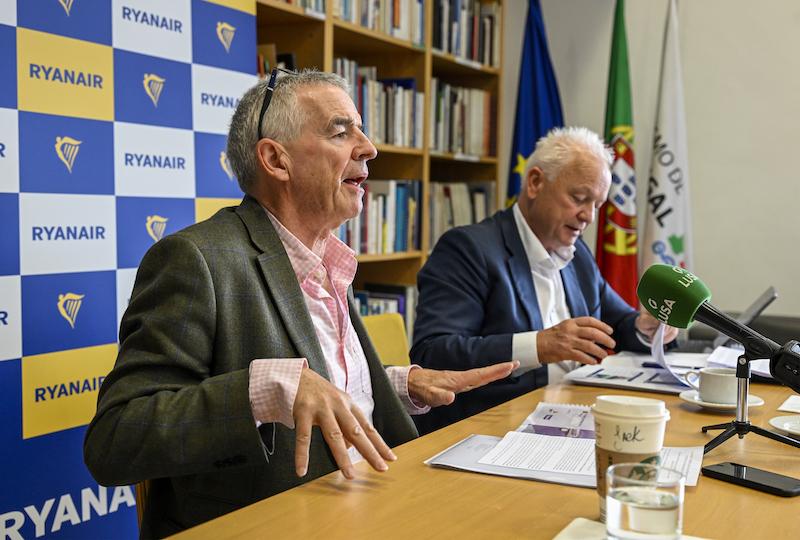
[[546, 271]]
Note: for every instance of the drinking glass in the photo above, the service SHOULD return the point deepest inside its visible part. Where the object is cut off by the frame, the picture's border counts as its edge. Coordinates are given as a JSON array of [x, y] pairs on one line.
[[644, 502]]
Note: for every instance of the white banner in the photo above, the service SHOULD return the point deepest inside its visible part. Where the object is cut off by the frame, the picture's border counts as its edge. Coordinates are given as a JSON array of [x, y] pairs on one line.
[[667, 220]]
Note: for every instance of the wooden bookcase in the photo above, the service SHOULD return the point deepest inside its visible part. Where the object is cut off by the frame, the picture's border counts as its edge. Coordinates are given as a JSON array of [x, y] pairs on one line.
[[317, 38]]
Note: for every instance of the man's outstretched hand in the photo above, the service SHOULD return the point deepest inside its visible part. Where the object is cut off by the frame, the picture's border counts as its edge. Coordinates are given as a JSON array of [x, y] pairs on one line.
[[435, 387]]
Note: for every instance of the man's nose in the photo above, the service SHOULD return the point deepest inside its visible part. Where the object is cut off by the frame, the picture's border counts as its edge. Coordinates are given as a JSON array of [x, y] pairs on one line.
[[364, 150]]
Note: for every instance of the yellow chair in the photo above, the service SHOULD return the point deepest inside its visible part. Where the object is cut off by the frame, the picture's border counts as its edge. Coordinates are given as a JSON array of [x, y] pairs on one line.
[[388, 334]]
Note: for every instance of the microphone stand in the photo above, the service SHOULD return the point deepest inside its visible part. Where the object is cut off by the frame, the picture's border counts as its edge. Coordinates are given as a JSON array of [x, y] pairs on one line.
[[742, 426], [755, 346]]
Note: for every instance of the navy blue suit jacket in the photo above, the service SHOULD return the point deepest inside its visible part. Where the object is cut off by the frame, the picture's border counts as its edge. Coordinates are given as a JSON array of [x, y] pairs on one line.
[[476, 291]]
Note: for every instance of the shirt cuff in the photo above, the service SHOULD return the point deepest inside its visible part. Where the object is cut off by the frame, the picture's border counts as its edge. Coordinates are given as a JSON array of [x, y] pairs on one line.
[[523, 349], [273, 388], [398, 377]]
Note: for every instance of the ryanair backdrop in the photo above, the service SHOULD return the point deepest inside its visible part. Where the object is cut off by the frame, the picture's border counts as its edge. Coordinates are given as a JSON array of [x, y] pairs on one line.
[[113, 122], [144, 221], [8, 67], [9, 234], [59, 154], [215, 177], [150, 90]]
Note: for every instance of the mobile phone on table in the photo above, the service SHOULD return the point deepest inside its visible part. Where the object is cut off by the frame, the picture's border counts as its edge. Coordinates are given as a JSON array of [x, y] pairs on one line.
[[751, 477]]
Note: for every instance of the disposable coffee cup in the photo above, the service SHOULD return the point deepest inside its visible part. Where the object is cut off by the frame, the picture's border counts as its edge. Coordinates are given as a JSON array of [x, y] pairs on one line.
[[628, 430]]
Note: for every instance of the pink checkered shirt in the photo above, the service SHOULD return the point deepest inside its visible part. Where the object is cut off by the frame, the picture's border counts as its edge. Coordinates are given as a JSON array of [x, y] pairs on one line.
[[324, 273]]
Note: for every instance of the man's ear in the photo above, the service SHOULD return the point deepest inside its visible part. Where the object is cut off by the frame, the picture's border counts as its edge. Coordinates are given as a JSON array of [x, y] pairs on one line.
[[534, 180], [273, 159]]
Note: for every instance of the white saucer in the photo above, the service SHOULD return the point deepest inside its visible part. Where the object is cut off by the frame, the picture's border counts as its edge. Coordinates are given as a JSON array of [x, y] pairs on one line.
[[691, 396], [787, 424]]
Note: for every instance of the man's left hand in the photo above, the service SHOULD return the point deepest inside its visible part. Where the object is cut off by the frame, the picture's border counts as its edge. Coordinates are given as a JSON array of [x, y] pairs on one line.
[[647, 325], [435, 387]]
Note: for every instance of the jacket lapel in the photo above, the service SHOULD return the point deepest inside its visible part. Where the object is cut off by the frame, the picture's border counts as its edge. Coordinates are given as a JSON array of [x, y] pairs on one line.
[[282, 284], [575, 300], [519, 268]]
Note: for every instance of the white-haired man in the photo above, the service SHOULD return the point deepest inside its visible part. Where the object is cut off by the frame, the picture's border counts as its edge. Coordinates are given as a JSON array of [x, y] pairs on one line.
[[522, 284], [243, 369]]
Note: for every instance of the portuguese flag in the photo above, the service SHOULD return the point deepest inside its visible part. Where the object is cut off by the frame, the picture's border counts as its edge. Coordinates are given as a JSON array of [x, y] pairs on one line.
[[616, 226]]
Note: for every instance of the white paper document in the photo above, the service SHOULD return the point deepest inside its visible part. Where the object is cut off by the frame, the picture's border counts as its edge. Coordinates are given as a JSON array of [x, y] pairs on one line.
[[560, 419], [792, 404], [543, 453], [728, 356]]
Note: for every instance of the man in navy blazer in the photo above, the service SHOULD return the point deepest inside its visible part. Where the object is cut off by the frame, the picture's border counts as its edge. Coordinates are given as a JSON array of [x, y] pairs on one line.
[[523, 285]]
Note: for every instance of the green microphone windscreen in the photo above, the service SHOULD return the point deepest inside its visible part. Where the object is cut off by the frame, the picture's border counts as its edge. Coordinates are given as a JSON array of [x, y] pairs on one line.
[[672, 294]]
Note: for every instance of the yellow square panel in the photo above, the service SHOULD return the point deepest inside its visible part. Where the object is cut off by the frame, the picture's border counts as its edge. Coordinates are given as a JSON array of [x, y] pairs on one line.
[[204, 208], [64, 76], [248, 6], [59, 390]]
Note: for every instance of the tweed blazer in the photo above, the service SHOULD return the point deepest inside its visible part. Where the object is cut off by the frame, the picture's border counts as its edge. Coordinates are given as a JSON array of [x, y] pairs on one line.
[[175, 408]]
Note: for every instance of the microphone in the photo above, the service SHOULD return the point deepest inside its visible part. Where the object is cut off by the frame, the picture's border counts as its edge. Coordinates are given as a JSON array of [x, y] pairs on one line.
[[676, 297]]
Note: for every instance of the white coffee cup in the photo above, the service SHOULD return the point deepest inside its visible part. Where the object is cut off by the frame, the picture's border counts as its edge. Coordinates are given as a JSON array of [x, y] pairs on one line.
[[714, 385], [628, 429]]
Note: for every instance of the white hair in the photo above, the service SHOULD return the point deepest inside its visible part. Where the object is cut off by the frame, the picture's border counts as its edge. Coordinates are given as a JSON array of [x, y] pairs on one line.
[[283, 120], [564, 146]]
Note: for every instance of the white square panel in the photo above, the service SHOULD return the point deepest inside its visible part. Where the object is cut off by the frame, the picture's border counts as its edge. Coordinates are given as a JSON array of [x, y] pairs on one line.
[[10, 318], [125, 281], [8, 12], [153, 27], [153, 161], [67, 233], [215, 94], [9, 151]]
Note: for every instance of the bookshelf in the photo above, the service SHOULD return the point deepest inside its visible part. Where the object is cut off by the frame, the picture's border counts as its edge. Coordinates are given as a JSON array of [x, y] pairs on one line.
[[318, 38]]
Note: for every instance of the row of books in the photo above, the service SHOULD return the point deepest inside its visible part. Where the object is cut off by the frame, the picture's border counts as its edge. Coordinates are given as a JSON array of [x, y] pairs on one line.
[[390, 221], [468, 29], [268, 58], [403, 19], [376, 299], [453, 204], [313, 6], [391, 109], [463, 120]]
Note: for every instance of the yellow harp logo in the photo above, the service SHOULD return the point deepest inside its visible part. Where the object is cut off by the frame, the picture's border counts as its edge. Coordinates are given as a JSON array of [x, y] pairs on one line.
[[225, 33], [67, 5], [67, 150], [156, 225], [68, 306], [225, 164], [153, 85]]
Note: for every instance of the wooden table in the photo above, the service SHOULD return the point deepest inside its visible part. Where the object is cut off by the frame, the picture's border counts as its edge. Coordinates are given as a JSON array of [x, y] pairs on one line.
[[413, 501]]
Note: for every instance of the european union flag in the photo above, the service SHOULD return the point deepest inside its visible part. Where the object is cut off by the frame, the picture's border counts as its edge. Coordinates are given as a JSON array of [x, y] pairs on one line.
[[538, 102]]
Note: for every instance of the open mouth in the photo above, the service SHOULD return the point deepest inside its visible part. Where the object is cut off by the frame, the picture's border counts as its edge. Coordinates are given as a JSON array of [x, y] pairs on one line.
[[355, 181]]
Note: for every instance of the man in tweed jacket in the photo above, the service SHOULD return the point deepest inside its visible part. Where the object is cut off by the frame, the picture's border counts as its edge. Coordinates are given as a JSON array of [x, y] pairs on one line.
[[213, 300]]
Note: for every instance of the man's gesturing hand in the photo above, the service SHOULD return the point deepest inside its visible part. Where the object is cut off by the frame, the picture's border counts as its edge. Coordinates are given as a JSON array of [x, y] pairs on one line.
[[435, 387], [581, 339], [319, 403]]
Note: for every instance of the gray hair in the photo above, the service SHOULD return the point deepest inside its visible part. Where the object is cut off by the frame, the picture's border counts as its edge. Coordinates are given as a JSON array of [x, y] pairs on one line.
[[283, 121], [564, 146]]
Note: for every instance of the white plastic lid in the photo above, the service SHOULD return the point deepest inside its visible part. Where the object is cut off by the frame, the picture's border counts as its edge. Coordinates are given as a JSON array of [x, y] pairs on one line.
[[630, 406]]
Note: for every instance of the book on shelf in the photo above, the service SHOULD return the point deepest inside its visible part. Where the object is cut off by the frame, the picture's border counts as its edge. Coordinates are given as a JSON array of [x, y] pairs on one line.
[[391, 109], [389, 221], [468, 29], [461, 120], [402, 19], [454, 204], [378, 298]]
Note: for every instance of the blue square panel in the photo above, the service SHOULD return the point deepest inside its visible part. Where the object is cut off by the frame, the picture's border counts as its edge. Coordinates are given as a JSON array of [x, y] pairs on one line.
[[142, 221], [223, 37], [89, 20], [150, 90], [68, 311], [9, 234], [8, 67], [213, 169], [59, 154]]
